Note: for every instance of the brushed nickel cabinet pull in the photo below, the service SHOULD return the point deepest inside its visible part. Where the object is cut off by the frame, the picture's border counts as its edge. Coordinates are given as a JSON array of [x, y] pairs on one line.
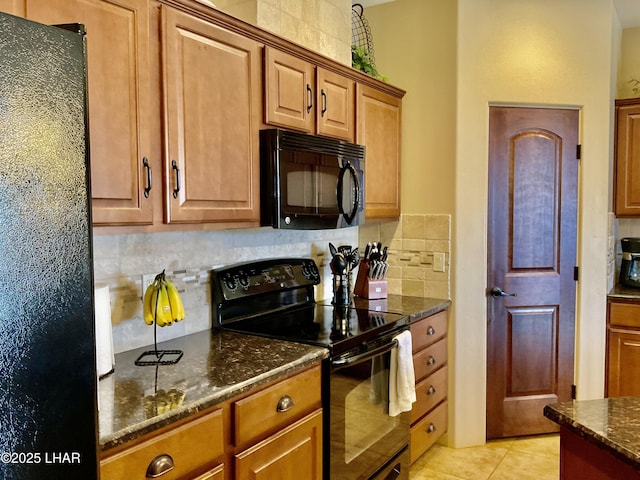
[[431, 391], [160, 465], [431, 361], [174, 166], [431, 331], [431, 428], [285, 404]]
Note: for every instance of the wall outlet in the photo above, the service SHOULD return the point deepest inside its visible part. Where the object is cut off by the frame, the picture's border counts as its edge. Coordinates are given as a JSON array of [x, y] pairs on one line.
[[438, 262], [147, 280]]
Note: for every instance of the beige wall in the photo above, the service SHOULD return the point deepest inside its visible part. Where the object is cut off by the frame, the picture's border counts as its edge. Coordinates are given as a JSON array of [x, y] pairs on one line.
[[415, 45], [545, 53], [629, 62]]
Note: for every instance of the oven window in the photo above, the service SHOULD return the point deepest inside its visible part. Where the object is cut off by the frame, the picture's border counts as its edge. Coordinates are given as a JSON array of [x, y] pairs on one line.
[[363, 435], [366, 408]]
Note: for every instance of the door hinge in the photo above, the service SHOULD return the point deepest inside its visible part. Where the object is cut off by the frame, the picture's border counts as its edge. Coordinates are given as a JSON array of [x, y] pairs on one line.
[[576, 273], [578, 152], [574, 392]]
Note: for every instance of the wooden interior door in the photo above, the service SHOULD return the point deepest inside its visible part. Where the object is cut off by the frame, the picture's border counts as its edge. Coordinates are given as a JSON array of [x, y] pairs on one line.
[[533, 177]]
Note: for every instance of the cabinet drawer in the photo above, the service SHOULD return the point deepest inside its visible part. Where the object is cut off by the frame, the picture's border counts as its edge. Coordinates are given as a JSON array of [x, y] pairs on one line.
[[215, 474], [427, 431], [429, 393], [269, 409], [291, 454], [427, 361], [191, 446], [624, 314], [428, 330]]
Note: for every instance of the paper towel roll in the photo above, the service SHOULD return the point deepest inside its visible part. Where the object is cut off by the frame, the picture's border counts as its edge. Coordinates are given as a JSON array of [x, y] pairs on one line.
[[105, 358]]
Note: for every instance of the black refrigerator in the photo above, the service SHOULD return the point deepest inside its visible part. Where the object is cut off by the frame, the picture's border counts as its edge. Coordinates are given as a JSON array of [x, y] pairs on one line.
[[48, 419]]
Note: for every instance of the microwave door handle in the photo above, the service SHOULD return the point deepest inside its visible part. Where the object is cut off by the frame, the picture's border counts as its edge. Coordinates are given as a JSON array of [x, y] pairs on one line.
[[356, 201]]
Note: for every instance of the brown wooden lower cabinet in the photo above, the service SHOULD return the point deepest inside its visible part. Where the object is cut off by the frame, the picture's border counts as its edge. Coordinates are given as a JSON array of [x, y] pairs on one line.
[[623, 349], [429, 412], [292, 454], [581, 459], [284, 445]]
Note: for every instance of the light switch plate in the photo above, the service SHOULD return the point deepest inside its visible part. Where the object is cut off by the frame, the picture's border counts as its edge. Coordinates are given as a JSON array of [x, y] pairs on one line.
[[147, 280], [438, 262]]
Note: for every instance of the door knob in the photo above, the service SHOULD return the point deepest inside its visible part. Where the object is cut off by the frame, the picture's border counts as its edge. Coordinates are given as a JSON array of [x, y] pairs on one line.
[[497, 292]]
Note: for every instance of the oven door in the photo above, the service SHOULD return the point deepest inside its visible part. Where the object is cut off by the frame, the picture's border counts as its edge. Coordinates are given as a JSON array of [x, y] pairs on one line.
[[363, 437]]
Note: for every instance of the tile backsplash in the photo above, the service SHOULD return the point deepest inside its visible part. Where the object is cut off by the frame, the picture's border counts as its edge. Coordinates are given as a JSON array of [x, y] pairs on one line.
[[188, 257]]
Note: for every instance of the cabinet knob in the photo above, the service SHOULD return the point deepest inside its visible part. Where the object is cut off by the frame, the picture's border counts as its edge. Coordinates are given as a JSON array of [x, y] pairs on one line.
[[160, 465], [431, 331], [431, 428], [285, 404], [431, 391], [431, 361]]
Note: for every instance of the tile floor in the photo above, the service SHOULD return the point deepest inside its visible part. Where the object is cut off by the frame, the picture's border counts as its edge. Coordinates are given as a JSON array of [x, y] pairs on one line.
[[524, 458]]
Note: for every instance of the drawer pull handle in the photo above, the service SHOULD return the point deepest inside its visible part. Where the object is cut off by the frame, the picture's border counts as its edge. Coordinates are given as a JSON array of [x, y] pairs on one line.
[[285, 404], [431, 428], [160, 465], [431, 391], [431, 361], [431, 331]]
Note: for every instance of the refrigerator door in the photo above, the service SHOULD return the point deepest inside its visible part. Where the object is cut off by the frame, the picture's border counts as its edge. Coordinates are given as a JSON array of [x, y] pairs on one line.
[[47, 344]]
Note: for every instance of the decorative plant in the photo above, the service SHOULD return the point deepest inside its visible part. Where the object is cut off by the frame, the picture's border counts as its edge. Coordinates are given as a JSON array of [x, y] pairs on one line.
[[361, 61], [636, 85]]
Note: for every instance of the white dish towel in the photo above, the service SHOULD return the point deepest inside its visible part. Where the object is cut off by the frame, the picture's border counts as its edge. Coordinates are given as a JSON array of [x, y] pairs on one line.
[[402, 381]]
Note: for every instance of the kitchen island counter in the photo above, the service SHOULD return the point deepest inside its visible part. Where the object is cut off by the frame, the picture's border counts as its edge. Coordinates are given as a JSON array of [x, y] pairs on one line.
[[216, 366], [599, 439]]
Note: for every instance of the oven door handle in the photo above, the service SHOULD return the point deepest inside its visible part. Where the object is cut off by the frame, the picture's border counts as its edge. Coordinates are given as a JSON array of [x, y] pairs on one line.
[[347, 361]]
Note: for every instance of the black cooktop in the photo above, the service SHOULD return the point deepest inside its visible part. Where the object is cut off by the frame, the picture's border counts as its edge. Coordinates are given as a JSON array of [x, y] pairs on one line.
[[274, 298], [339, 328]]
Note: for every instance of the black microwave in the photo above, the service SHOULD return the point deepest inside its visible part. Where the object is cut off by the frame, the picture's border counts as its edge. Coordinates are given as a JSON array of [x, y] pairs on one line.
[[309, 182]]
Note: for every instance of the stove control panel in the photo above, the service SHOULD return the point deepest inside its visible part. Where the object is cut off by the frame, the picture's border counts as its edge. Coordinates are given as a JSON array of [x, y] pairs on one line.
[[266, 276]]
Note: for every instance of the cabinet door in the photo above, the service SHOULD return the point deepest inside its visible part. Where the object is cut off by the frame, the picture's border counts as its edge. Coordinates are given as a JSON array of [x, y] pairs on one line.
[[335, 100], [14, 7], [623, 370], [212, 101], [119, 95], [292, 454], [289, 96], [627, 160], [378, 129]]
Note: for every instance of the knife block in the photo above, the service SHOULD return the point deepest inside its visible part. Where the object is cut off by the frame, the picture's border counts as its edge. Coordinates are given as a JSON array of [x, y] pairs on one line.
[[365, 287]]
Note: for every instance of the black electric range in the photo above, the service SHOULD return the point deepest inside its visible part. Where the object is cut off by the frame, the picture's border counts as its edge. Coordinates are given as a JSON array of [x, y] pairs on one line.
[[275, 298]]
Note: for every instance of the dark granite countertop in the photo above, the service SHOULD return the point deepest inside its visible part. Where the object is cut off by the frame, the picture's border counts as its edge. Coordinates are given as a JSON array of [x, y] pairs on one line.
[[622, 292], [413, 307], [215, 366], [611, 423]]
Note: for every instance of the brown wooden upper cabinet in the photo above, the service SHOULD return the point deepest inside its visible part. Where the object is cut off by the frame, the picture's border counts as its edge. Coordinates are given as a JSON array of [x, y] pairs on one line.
[[119, 102], [627, 158], [378, 129], [212, 99], [301, 96]]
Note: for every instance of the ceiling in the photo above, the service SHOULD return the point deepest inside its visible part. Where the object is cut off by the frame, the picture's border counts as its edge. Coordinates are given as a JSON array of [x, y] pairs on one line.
[[628, 10]]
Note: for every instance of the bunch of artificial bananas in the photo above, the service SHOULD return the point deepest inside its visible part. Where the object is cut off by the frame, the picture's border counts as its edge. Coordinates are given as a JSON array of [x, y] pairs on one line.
[[162, 303]]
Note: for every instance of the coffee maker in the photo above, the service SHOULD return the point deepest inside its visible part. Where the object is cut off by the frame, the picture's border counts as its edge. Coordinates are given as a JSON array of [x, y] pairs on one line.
[[629, 267]]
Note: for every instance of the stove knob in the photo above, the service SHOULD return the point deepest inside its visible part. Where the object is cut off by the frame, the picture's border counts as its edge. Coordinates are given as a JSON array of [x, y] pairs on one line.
[[230, 282], [244, 280]]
